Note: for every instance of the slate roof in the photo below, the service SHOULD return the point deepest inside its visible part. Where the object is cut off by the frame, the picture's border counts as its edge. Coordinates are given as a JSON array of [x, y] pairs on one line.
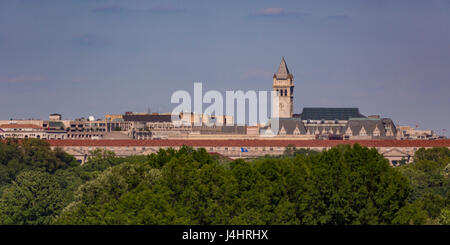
[[235, 129], [368, 124], [290, 124], [326, 113], [337, 130], [147, 118], [283, 71], [387, 122]]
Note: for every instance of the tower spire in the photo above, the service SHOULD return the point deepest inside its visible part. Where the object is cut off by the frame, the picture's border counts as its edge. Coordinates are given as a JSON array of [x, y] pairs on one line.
[[283, 71], [283, 86]]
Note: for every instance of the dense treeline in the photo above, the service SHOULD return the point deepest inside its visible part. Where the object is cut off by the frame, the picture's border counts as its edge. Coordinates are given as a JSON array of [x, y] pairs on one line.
[[429, 177], [344, 185]]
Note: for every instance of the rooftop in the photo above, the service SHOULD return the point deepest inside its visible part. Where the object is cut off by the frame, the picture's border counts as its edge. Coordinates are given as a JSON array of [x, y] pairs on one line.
[[250, 143], [55, 124], [283, 71], [147, 118], [15, 125], [327, 113]]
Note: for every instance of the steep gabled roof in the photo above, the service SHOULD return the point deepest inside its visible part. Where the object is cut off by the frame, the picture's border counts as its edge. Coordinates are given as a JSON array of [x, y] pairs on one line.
[[357, 125], [325, 129], [388, 123], [290, 125]]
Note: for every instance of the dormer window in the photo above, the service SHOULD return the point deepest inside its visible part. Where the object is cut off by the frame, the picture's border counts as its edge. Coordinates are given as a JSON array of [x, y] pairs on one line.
[[296, 131], [348, 131], [282, 131], [362, 132], [376, 131], [317, 131]]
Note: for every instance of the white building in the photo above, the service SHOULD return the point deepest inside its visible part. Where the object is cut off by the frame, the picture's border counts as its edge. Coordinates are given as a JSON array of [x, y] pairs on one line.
[[22, 131]]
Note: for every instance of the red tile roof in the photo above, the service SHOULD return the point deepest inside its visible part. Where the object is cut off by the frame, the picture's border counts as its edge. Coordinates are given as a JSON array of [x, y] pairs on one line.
[[253, 143], [15, 125]]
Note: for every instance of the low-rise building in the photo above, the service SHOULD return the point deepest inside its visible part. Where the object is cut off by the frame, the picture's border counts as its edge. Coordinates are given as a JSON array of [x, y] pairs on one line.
[[407, 132], [36, 122], [22, 131]]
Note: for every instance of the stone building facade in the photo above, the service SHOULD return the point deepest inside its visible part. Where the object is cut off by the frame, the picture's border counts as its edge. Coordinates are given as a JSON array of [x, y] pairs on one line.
[[283, 85], [22, 131], [394, 150]]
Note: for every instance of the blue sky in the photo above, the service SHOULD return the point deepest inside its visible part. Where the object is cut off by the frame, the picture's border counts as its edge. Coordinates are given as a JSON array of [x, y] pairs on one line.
[[93, 57]]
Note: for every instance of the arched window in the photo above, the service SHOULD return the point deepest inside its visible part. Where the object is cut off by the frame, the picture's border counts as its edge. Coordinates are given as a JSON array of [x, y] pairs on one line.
[[285, 92], [281, 92]]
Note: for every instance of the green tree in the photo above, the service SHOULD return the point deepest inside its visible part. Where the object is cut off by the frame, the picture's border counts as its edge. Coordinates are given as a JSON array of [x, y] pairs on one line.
[[92, 197], [444, 218], [36, 154], [352, 185], [35, 197], [430, 181], [435, 154], [200, 188], [344, 185], [291, 150], [433, 204], [100, 160], [411, 214]]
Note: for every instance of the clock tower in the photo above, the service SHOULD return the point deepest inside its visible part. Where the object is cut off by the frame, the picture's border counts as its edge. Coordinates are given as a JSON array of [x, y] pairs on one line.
[[284, 86]]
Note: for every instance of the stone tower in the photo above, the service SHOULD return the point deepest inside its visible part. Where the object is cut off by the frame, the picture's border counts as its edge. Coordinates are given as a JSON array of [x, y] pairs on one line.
[[284, 86]]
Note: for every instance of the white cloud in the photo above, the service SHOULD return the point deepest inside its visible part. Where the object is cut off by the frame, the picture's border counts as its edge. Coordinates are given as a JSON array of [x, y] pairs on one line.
[[276, 11]]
